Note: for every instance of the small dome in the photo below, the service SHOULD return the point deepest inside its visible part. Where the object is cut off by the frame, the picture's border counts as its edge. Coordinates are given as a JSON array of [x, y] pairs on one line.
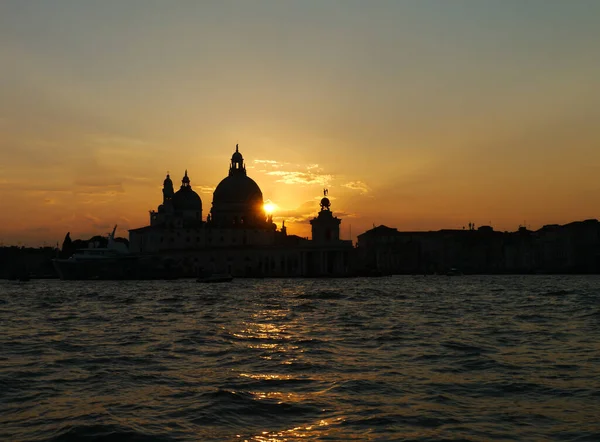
[[325, 202], [237, 157], [186, 199]]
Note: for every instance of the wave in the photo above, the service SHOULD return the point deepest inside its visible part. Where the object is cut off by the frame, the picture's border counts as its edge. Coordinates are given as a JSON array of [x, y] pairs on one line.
[[105, 433]]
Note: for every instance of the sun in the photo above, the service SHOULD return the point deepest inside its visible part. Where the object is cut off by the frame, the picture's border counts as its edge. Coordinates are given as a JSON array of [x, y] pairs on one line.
[[269, 207]]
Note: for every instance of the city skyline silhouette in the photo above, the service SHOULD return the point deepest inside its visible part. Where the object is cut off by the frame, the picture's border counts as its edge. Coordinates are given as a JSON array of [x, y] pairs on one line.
[[420, 116]]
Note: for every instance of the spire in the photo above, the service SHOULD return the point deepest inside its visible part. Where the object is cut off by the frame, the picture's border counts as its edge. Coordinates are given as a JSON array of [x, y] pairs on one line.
[[237, 148]]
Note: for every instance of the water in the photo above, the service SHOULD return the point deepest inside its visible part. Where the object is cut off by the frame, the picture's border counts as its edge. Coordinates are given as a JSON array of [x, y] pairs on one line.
[[399, 358]]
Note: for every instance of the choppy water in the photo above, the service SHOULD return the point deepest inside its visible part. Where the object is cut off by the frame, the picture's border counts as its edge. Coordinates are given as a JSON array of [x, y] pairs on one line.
[[400, 358]]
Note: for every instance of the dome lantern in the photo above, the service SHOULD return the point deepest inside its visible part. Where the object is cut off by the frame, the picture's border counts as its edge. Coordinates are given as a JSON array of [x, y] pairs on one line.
[[185, 181], [237, 163]]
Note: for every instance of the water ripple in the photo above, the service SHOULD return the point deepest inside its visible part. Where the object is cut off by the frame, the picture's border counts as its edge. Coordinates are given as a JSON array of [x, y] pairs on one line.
[[398, 358]]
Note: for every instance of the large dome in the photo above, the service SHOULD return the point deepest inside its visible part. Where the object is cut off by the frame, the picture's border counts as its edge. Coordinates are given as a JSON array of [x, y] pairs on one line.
[[237, 189]]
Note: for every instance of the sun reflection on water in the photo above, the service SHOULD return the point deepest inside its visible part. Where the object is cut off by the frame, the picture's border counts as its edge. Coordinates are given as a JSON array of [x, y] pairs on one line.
[[311, 432]]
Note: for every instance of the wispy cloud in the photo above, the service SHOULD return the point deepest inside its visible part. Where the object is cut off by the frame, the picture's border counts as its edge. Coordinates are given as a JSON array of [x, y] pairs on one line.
[[305, 212], [117, 140], [358, 186], [270, 163], [295, 174], [298, 177], [205, 189]]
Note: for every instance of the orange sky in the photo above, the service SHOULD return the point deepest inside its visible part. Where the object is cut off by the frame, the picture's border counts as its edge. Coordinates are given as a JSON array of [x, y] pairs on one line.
[[421, 115]]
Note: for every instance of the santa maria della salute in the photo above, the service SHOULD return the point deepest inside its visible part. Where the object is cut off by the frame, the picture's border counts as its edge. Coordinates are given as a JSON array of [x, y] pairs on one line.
[[237, 236]]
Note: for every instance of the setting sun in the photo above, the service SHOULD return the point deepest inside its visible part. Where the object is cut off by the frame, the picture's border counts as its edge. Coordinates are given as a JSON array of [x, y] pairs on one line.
[[269, 207]]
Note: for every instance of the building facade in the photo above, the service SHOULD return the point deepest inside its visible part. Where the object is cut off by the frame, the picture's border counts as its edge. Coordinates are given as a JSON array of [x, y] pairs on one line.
[[237, 236]]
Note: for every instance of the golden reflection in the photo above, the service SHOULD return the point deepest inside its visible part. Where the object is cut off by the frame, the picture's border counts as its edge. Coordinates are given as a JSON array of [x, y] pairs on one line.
[[265, 376], [262, 331], [310, 432], [265, 346]]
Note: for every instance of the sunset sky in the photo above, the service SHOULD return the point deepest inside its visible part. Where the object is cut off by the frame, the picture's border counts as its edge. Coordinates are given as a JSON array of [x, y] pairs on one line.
[[414, 114]]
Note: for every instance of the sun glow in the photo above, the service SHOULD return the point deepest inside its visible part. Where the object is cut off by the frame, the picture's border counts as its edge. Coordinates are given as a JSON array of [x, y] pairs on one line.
[[269, 207]]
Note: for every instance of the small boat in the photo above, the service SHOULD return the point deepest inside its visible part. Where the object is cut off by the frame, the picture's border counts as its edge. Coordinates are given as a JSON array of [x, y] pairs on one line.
[[215, 277], [210, 276]]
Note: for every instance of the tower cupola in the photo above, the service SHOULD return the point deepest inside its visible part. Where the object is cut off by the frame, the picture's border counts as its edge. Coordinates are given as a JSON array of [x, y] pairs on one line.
[[167, 190], [237, 163], [185, 181], [325, 227]]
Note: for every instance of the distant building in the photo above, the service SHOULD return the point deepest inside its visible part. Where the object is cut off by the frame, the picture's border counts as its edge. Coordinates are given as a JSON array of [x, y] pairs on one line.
[[572, 248], [237, 236]]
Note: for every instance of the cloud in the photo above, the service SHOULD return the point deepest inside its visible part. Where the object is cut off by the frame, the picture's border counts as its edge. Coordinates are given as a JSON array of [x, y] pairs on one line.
[[359, 186], [117, 140], [205, 189], [297, 177], [295, 174], [270, 163], [303, 213], [98, 181], [29, 186]]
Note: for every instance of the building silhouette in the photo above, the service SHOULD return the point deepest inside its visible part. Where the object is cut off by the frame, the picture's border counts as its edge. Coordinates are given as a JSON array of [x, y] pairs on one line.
[[570, 248], [237, 236]]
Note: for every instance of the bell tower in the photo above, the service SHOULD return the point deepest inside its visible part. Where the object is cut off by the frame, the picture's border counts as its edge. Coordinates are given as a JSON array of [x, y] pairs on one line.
[[325, 227], [167, 190]]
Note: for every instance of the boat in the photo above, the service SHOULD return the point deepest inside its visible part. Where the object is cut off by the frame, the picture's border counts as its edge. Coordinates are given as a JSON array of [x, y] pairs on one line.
[[95, 262], [208, 277], [218, 277]]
